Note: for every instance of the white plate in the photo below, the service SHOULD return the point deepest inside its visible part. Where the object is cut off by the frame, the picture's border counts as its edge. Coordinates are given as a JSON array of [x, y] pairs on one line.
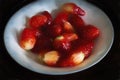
[[93, 16]]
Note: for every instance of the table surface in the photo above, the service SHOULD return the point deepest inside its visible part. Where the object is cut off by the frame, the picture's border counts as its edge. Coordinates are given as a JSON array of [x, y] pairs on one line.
[[107, 69]]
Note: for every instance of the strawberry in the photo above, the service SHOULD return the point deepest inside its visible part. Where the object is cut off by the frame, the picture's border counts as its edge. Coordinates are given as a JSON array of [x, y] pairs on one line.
[[28, 38], [51, 58], [37, 21], [68, 28], [72, 60], [76, 21], [49, 17], [77, 55], [61, 17], [43, 43], [61, 44], [89, 32], [83, 46], [73, 8], [54, 30]]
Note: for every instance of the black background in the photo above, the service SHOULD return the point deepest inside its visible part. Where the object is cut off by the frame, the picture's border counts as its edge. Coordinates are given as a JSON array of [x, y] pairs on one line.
[[107, 69]]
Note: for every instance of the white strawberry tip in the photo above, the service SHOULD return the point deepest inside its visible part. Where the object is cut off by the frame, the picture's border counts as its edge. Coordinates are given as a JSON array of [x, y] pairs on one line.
[[51, 58], [68, 26], [28, 45], [59, 37], [78, 57]]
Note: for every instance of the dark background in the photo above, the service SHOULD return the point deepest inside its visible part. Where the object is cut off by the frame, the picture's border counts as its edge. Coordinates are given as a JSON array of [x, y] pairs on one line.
[[107, 69]]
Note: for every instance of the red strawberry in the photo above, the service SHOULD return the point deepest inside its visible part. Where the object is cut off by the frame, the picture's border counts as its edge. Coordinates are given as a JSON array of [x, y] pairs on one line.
[[89, 32], [54, 30], [61, 17], [83, 46], [49, 17], [28, 38], [37, 21], [77, 55], [61, 44], [43, 43], [73, 8], [76, 21], [72, 60]]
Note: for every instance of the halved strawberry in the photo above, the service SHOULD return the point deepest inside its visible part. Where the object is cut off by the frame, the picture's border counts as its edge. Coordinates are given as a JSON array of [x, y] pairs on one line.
[[37, 21], [76, 21], [89, 32], [61, 17], [49, 17], [28, 38], [73, 8], [51, 58]]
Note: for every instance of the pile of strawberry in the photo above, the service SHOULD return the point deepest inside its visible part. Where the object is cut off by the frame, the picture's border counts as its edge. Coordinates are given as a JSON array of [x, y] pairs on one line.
[[64, 41]]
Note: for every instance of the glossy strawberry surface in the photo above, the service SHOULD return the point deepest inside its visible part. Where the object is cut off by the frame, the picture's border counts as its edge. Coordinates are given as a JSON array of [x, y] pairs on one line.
[[28, 38], [37, 21]]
